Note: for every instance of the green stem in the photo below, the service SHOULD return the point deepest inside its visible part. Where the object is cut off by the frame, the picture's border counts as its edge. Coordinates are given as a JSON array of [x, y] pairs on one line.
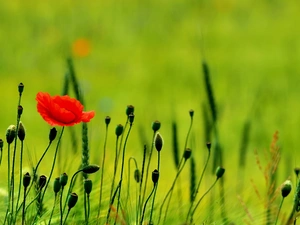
[[128, 186], [139, 203], [102, 172], [20, 180], [193, 212], [122, 167], [53, 164], [111, 203], [8, 214], [89, 208], [67, 216], [115, 169], [23, 208], [279, 210], [153, 199], [198, 185], [142, 217], [52, 211], [148, 167], [60, 205]]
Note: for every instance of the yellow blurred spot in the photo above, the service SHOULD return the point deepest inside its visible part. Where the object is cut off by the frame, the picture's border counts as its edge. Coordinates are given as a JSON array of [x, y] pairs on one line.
[[81, 47]]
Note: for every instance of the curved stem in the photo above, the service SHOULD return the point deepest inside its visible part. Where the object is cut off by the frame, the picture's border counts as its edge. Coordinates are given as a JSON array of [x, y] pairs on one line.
[[139, 203], [279, 210], [142, 217], [53, 164], [115, 169], [128, 186], [102, 172], [199, 183], [153, 200], [193, 212], [122, 167], [52, 211]]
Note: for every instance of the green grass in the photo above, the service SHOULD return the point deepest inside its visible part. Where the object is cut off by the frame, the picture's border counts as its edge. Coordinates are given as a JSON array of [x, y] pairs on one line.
[[148, 54]]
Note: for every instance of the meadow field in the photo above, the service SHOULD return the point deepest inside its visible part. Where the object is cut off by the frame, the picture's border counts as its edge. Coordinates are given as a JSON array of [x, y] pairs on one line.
[[153, 55]]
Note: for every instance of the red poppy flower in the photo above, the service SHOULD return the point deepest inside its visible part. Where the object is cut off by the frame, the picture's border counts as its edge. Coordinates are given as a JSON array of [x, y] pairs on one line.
[[61, 110]]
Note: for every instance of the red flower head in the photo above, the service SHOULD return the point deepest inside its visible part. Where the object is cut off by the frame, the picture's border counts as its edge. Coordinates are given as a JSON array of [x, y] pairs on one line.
[[61, 110]]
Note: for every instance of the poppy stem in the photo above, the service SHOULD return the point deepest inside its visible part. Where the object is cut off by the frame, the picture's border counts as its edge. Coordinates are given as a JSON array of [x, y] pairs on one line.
[[53, 164]]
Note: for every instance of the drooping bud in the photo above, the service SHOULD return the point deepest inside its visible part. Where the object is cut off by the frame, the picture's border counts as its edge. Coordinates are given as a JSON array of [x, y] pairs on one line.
[[137, 175], [63, 179], [191, 112], [220, 172], [119, 130], [56, 185], [88, 184], [286, 188], [156, 125], [158, 141], [10, 134], [155, 176], [187, 153], [107, 120], [42, 181], [72, 200], [52, 134], [26, 180], [20, 110], [131, 118], [21, 132], [21, 88], [129, 110], [90, 169]]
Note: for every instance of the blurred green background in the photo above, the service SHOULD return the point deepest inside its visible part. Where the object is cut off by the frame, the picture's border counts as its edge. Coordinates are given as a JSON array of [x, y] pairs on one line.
[[148, 54]]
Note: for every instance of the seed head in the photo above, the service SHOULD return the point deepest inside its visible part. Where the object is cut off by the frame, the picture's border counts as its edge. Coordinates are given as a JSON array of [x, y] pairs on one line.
[[220, 172], [88, 184], [119, 130], [155, 176], [26, 180], [129, 110], [286, 188], [56, 185], [107, 120], [72, 200], [156, 125], [187, 153], [21, 88], [191, 112], [63, 180]]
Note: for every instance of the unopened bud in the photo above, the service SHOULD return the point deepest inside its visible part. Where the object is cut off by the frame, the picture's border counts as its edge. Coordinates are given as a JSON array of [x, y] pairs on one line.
[[10, 134], [42, 181], [297, 171], [20, 110], [21, 132], [219, 172], [90, 169], [1, 143], [52, 134], [158, 142], [191, 112], [56, 185], [137, 175], [208, 145], [131, 118], [286, 188]]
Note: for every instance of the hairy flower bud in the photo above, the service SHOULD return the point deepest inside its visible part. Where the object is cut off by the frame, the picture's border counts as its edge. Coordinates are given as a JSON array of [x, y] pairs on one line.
[[137, 175], [158, 142], [286, 188], [63, 179], [90, 169], [42, 181], [56, 185], [21, 132], [10, 134], [26, 180], [129, 110], [187, 153], [107, 120], [21, 88]]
